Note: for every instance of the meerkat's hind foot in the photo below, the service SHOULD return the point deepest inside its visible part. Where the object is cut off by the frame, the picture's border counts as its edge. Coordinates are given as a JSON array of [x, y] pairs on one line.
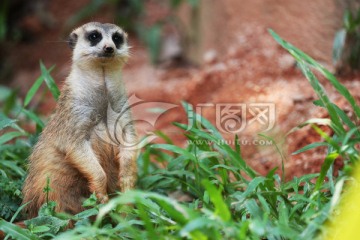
[[127, 183], [102, 198]]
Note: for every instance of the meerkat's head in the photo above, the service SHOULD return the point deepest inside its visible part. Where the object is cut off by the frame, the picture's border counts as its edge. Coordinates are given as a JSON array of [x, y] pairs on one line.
[[99, 43]]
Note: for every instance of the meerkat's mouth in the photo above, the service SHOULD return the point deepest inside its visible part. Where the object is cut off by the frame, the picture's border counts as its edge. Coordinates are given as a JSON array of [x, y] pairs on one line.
[[105, 58], [106, 55]]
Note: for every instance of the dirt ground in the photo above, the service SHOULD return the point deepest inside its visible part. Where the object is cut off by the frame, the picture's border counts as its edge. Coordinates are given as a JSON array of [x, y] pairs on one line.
[[254, 71]]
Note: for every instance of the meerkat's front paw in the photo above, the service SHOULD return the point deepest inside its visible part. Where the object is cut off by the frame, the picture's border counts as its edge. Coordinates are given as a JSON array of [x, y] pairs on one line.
[[102, 198], [127, 183]]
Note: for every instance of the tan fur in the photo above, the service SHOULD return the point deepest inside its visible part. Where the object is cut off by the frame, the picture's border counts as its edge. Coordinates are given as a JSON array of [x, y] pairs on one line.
[[83, 149]]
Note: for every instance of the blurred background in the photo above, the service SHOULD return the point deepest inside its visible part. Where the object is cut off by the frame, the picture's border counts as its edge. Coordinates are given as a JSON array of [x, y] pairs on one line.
[[199, 51]]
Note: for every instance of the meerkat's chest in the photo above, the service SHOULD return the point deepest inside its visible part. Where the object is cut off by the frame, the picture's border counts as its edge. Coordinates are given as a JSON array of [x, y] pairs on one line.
[[91, 106]]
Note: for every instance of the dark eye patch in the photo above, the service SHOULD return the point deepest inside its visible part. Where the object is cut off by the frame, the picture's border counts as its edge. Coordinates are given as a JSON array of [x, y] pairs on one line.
[[118, 39], [94, 37]]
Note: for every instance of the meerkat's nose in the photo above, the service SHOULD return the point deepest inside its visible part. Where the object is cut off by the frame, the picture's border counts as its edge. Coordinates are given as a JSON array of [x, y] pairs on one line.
[[108, 49]]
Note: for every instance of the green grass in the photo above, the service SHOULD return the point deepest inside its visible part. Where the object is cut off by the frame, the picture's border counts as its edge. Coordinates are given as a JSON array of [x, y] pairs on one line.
[[227, 199]]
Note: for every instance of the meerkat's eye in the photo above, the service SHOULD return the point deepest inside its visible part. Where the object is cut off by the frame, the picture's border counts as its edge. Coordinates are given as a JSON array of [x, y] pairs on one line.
[[94, 37], [118, 39]]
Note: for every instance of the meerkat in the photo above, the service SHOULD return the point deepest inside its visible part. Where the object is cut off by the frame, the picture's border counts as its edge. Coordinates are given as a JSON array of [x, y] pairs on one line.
[[89, 143]]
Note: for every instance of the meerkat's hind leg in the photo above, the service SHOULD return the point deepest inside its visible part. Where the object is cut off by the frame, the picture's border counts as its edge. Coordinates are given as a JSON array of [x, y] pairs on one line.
[[41, 168], [68, 189], [128, 169]]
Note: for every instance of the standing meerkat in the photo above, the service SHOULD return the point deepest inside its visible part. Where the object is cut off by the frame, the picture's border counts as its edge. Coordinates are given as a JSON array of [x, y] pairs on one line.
[[89, 144]]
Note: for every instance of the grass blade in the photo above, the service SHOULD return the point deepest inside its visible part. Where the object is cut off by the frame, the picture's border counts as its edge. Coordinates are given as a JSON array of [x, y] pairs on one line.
[[310, 146], [330, 158], [34, 117], [35, 87], [16, 232], [221, 209], [320, 91], [45, 73], [299, 55], [10, 136], [174, 149], [8, 122], [18, 211]]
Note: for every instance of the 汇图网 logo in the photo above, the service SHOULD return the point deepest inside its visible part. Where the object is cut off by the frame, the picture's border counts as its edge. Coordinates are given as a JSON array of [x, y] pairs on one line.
[[230, 118]]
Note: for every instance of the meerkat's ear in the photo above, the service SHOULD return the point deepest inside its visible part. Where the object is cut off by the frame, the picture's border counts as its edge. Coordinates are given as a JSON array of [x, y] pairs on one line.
[[72, 40]]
